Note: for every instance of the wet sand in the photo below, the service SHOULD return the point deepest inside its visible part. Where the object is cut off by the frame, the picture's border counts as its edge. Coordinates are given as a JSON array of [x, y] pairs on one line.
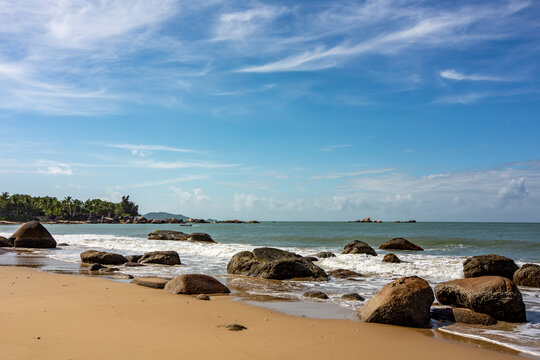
[[59, 316]]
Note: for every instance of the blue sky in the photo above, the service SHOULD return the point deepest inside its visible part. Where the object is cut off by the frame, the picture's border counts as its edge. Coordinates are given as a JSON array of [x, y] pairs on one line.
[[282, 110]]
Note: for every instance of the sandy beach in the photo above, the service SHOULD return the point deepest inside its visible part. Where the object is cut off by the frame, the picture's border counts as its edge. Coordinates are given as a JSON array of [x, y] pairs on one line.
[[55, 316]]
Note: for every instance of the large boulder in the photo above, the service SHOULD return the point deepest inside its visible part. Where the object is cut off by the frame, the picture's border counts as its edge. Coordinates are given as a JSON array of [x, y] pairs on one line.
[[32, 235], [400, 244], [358, 247], [496, 296], [528, 275], [102, 257], [270, 263], [167, 235], [5, 242], [196, 284], [160, 257], [405, 301], [203, 237], [486, 265]]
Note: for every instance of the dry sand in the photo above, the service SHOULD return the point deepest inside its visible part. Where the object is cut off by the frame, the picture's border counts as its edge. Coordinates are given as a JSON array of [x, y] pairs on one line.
[[51, 316]]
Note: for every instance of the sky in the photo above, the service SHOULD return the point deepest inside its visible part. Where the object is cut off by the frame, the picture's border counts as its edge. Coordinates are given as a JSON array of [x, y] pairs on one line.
[[276, 110]]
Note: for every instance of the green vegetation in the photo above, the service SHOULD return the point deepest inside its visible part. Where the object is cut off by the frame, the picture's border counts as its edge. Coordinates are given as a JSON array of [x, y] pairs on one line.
[[19, 207]]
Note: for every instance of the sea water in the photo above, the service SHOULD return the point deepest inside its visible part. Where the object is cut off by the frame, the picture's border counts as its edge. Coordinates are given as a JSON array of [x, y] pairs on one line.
[[446, 246]]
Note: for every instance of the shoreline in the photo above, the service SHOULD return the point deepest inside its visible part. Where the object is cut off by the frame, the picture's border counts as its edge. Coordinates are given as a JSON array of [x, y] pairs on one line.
[[69, 313]]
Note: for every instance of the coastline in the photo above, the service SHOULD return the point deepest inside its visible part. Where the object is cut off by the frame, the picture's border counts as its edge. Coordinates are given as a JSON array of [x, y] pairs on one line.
[[72, 314]]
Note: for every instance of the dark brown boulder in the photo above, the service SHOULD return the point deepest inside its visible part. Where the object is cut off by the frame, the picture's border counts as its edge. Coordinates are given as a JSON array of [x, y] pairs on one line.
[[161, 257], [404, 302], [150, 281], [95, 267], [167, 235], [133, 258], [496, 296], [343, 273], [196, 284], [324, 254], [359, 247], [352, 297], [102, 257], [528, 275], [462, 315], [270, 263], [203, 237], [32, 235], [133, 264], [315, 295], [391, 258], [400, 244], [489, 265], [5, 242]]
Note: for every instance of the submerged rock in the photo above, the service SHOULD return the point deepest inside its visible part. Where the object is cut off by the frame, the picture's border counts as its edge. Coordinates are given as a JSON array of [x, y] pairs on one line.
[[5, 242], [486, 265], [202, 237], [496, 296], [352, 297], [391, 258], [102, 257], [404, 302], [196, 284], [161, 257], [315, 295], [343, 273], [133, 258], [359, 247], [400, 244], [32, 235], [528, 275], [150, 281], [462, 315], [324, 254], [270, 263]]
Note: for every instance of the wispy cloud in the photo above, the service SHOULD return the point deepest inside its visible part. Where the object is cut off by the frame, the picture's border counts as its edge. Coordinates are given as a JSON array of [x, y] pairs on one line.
[[454, 75], [166, 182], [152, 164], [333, 147], [330, 176], [142, 147]]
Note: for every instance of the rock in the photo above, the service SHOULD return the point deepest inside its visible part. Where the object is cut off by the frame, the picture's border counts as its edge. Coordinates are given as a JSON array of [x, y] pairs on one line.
[[411, 221], [133, 258], [234, 327], [5, 242], [343, 273], [310, 258], [270, 263], [202, 297], [200, 237], [105, 269], [32, 235], [324, 255], [366, 219], [315, 295], [167, 235], [461, 315], [133, 264], [253, 222], [493, 295], [352, 297], [122, 276], [405, 301], [358, 247], [161, 257], [102, 257], [196, 284], [528, 275], [95, 267], [400, 244], [486, 265], [391, 258], [150, 281], [63, 244]]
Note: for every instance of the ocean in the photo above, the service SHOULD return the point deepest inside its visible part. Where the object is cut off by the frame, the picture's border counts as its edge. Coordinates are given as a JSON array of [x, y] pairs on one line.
[[446, 246]]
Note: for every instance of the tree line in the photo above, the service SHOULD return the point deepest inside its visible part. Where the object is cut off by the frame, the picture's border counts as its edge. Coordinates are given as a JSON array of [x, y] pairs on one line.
[[20, 207]]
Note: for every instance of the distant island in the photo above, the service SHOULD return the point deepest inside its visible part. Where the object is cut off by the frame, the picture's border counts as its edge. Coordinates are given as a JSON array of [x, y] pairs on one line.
[[164, 216]]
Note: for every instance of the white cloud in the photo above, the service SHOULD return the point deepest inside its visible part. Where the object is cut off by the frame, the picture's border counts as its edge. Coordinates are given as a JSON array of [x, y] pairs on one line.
[[54, 168], [194, 197], [152, 164], [333, 147], [454, 75], [167, 181], [514, 191], [330, 176], [142, 149]]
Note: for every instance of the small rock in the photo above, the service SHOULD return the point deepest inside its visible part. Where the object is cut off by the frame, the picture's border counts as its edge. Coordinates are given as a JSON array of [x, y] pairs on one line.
[[133, 258], [352, 297], [63, 244], [161, 257], [400, 244], [102, 257], [151, 281], [359, 247], [196, 284], [391, 258], [315, 295], [343, 273], [95, 267], [133, 264], [202, 297], [234, 327], [324, 255]]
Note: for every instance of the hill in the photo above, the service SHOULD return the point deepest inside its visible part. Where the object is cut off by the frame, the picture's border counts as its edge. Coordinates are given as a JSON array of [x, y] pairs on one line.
[[164, 215]]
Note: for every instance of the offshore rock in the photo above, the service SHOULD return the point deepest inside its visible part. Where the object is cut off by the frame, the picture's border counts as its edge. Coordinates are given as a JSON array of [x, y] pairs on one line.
[[405, 301], [359, 247], [486, 265], [496, 296], [391, 258], [32, 235], [167, 235], [400, 244], [271, 263]]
